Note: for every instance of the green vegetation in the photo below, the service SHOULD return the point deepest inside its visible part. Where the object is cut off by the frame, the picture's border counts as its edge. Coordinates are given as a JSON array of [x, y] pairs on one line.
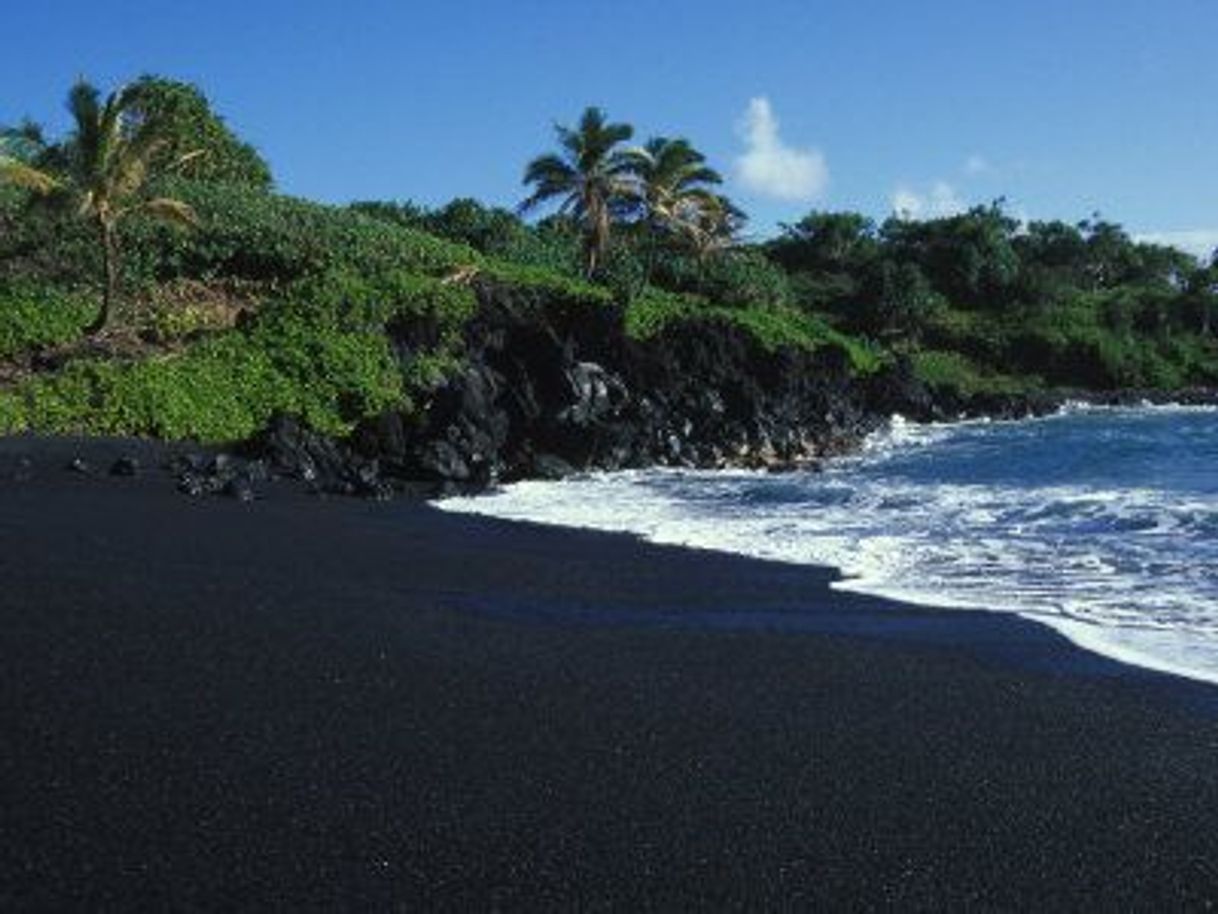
[[274, 304], [102, 169], [591, 175], [947, 369], [655, 311], [35, 316], [192, 140], [985, 303]]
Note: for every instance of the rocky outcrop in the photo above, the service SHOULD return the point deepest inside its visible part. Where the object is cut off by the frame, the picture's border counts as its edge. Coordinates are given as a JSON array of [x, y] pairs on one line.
[[545, 393], [547, 390]]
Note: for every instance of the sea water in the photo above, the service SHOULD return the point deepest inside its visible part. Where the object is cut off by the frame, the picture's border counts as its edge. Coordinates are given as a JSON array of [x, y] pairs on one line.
[[1102, 523]]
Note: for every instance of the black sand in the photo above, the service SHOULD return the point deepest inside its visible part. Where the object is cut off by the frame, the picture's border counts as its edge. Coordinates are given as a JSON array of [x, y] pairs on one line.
[[335, 704]]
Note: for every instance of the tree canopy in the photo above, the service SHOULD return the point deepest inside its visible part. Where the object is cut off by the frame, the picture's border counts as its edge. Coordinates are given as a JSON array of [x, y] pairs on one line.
[[184, 120]]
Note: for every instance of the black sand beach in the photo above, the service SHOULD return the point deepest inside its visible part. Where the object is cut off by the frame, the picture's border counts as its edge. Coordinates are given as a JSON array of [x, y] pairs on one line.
[[302, 703]]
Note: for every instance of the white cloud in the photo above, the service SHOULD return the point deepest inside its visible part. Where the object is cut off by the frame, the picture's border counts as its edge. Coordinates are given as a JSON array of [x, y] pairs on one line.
[[976, 165], [941, 200], [1200, 243], [770, 167]]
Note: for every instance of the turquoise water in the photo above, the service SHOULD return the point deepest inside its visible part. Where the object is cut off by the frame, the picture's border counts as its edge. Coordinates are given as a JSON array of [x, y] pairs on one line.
[[1100, 523]]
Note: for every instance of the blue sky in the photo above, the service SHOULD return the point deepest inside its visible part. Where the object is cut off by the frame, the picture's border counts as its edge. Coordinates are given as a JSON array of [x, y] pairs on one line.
[[1064, 108]]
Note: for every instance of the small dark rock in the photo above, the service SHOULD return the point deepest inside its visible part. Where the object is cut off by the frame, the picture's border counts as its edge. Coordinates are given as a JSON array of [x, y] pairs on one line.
[[380, 490], [549, 466], [188, 463], [193, 485], [125, 466], [239, 489], [444, 461], [257, 471], [367, 474], [222, 465]]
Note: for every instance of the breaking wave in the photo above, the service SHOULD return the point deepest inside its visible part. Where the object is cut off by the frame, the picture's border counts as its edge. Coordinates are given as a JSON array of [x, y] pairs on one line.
[[1101, 523]]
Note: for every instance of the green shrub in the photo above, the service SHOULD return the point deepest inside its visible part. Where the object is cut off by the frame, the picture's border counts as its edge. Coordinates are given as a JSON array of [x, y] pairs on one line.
[[982, 337], [179, 320], [37, 315], [649, 314], [13, 418], [951, 370], [656, 310], [247, 234], [735, 278], [223, 389], [544, 283], [373, 300], [45, 243], [187, 124]]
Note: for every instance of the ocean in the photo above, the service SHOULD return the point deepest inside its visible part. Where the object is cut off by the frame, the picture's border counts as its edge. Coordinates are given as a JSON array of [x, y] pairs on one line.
[[1101, 523]]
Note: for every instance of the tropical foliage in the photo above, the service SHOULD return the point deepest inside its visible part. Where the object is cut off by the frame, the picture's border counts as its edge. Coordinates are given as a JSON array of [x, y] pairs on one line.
[[677, 191], [192, 140], [102, 170], [591, 177], [272, 303], [1048, 302]]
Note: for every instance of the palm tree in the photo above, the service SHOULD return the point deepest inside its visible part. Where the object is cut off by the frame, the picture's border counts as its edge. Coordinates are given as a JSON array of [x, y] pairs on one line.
[[104, 168], [676, 185], [591, 175], [716, 228], [108, 157], [680, 201]]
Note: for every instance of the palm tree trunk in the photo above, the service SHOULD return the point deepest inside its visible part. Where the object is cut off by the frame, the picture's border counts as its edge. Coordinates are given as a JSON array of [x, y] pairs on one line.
[[591, 258], [652, 240], [597, 238], [109, 242]]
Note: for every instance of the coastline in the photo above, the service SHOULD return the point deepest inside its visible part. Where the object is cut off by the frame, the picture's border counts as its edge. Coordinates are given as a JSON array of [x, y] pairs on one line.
[[317, 702], [623, 503]]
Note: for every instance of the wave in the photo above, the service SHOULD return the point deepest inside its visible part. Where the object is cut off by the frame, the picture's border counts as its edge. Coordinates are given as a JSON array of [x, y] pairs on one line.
[[1003, 517]]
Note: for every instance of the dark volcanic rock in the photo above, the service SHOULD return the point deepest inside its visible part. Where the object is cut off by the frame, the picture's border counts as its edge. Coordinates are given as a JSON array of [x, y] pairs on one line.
[[548, 389], [547, 466], [548, 392], [125, 466], [896, 390], [289, 448], [443, 460], [189, 463], [194, 485], [239, 488]]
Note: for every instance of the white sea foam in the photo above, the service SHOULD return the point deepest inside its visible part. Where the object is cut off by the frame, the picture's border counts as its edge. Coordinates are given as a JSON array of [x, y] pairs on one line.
[[1126, 570]]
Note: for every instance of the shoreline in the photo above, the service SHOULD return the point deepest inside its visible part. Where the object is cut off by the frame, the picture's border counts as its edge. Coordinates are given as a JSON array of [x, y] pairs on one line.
[[334, 702], [1112, 645], [282, 458]]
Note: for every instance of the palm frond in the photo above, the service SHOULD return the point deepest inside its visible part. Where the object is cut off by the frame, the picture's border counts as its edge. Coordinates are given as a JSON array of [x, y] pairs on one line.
[[112, 140], [548, 168], [169, 210], [18, 173], [184, 160], [591, 177], [84, 104]]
